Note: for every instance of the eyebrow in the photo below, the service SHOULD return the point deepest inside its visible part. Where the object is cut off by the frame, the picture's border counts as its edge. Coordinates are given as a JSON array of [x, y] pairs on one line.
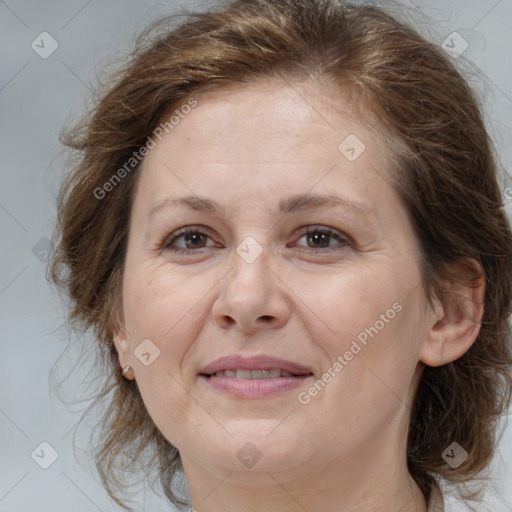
[[293, 204]]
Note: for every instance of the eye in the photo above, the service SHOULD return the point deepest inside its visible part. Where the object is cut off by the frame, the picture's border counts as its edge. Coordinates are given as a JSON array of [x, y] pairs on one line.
[[193, 237], [320, 238]]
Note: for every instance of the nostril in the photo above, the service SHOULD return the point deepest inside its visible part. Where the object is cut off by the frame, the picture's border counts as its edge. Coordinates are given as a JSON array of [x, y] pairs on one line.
[[229, 321]]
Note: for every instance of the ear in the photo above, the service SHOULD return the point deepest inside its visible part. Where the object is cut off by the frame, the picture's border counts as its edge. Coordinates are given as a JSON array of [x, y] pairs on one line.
[[457, 314], [120, 341]]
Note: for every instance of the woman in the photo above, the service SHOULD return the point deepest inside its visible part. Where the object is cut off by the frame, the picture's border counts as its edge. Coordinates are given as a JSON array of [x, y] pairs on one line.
[[285, 229]]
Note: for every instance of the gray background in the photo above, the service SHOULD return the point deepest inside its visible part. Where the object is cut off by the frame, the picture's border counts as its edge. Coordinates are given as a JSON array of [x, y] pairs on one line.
[[36, 97]]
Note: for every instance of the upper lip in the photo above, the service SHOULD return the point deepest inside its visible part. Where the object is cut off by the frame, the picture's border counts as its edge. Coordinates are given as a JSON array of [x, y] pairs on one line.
[[259, 362]]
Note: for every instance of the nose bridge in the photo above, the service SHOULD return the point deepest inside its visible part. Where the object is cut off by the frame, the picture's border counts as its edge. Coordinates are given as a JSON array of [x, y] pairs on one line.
[[251, 295], [250, 274]]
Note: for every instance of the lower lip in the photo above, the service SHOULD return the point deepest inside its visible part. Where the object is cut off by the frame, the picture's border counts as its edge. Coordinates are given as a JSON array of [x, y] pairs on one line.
[[255, 388]]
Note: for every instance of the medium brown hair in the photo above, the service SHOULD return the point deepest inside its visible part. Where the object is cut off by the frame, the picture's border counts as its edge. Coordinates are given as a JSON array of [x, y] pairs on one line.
[[446, 176]]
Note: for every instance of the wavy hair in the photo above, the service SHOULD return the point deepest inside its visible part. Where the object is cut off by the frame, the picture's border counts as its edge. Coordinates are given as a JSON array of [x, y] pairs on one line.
[[446, 175]]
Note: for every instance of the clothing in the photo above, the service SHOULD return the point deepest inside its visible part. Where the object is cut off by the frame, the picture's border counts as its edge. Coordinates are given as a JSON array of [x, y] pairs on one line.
[[436, 501]]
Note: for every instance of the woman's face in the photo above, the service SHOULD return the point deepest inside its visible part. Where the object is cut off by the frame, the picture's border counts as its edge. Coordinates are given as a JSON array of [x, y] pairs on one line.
[[341, 308]]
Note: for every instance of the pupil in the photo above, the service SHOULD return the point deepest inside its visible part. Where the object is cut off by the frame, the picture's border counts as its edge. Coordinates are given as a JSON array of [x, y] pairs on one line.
[[315, 238], [194, 238]]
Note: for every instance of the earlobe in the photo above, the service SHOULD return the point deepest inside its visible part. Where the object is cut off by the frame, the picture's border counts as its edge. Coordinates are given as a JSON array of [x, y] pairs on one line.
[[456, 316], [123, 353], [121, 343]]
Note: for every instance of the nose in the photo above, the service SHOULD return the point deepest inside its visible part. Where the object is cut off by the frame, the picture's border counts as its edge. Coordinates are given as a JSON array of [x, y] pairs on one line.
[[252, 297]]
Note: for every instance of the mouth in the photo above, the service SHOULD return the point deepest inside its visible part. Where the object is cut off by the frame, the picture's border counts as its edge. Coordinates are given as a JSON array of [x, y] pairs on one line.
[[240, 373], [254, 377]]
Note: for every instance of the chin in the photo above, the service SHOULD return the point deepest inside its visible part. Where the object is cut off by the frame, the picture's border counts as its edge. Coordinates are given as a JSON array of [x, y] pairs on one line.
[[261, 445]]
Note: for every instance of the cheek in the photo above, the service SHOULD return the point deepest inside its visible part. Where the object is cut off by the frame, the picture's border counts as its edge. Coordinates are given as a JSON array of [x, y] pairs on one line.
[[371, 319], [163, 307], [376, 362], [158, 302], [352, 304]]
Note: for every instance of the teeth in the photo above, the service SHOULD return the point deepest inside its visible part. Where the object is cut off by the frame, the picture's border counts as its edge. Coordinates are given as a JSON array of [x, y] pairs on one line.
[[254, 374], [243, 374], [259, 374]]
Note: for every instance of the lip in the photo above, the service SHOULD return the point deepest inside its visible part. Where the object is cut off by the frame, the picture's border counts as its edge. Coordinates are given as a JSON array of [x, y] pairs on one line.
[[258, 362], [254, 388]]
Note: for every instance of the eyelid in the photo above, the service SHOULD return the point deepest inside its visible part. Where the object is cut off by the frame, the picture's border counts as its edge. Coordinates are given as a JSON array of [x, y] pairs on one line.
[[343, 239], [312, 228], [168, 239]]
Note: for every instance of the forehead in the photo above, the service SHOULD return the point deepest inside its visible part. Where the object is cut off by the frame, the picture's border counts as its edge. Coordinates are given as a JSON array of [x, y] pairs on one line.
[[274, 112], [263, 137]]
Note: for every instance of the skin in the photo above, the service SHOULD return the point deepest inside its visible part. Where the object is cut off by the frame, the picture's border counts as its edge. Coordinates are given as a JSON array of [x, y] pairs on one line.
[[247, 148]]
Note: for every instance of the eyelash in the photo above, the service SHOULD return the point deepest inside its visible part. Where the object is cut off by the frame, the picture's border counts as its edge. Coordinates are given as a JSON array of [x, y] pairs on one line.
[[167, 242]]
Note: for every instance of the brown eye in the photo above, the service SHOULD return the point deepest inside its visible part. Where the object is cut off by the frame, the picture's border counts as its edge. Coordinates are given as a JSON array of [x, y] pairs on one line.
[[193, 238], [320, 238]]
